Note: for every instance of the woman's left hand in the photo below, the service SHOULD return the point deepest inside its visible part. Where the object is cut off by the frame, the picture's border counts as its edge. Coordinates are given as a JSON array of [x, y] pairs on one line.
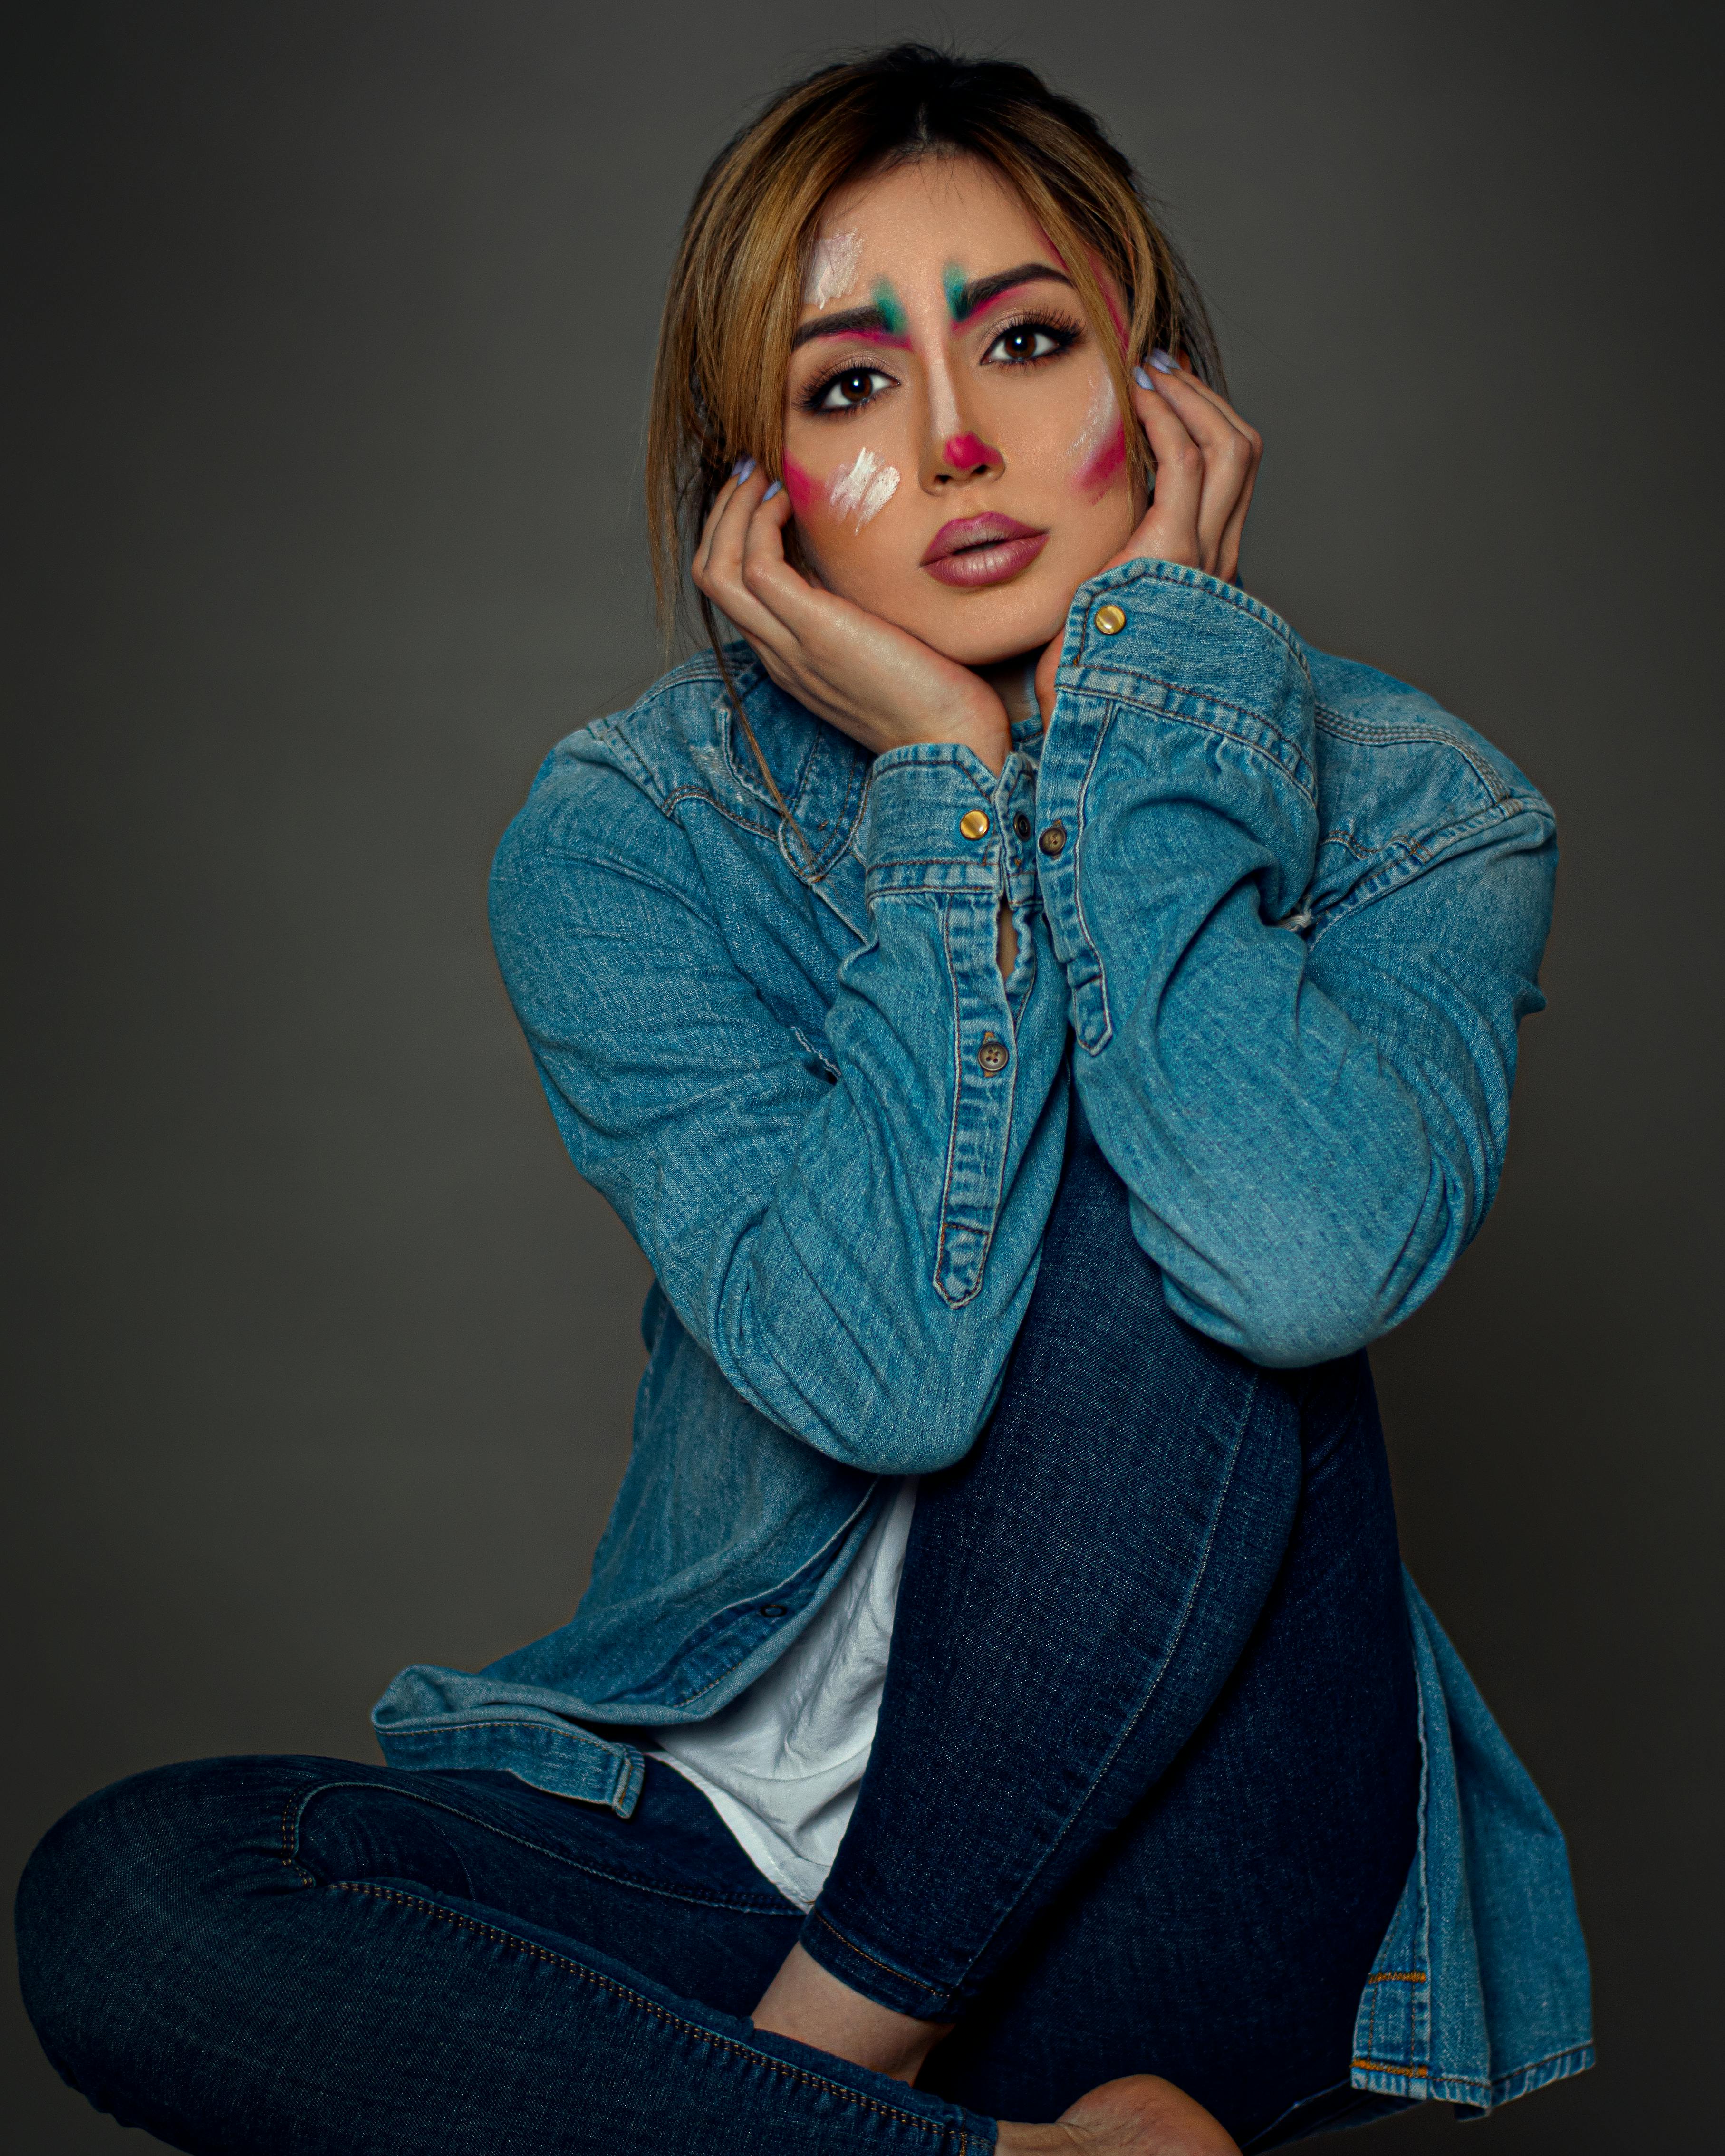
[[1207, 459]]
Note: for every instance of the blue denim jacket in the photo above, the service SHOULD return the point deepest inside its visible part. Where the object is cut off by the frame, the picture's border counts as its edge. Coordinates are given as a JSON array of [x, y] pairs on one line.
[[1278, 915]]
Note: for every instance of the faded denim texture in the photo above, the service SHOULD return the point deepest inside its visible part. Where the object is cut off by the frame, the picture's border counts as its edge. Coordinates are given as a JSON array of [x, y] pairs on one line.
[[1279, 917]]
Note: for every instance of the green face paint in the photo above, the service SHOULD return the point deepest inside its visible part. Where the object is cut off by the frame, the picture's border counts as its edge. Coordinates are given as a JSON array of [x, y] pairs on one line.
[[892, 313], [953, 284]]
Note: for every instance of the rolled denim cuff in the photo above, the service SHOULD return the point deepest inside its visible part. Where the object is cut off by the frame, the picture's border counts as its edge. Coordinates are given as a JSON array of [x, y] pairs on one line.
[[880, 1980]]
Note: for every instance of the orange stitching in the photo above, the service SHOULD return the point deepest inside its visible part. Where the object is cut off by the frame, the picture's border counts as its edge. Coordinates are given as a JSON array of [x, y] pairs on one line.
[[635, 1998], [1400, 1976], [1388, 2066], [934, 1991]]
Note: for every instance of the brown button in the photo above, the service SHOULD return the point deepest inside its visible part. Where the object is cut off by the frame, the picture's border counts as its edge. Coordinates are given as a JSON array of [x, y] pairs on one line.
[[973, 823], [992, 1054], [1021, 824], [1110, 620], [1053, 840]]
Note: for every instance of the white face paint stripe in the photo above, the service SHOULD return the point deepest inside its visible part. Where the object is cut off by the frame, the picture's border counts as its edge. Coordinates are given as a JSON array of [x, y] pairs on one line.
[[864, 489], [1097, 423], [832, 268]]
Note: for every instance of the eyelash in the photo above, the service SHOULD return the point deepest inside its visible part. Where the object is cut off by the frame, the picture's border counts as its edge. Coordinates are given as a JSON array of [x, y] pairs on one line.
[[1065, 334]]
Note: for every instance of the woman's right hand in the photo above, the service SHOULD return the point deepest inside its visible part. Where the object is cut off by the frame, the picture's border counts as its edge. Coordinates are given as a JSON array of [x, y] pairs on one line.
[[879, 685]]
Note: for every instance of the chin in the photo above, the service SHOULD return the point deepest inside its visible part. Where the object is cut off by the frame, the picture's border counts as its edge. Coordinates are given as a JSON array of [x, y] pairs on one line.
[[983, 628]]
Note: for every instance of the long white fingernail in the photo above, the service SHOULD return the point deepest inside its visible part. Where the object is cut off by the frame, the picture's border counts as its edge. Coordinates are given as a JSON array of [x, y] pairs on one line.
[[1143, 379], [777, 487], [1164, 362], [744, 470]]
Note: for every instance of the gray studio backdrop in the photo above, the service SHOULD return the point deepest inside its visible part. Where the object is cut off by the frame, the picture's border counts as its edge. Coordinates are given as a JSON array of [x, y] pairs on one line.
[[332, 325]]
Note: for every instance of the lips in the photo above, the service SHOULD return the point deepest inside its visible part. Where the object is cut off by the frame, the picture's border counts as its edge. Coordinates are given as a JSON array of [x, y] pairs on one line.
[[983, 550]]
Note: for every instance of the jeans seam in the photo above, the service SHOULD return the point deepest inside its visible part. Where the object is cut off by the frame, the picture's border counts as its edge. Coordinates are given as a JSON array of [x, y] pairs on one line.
[[636, 1999], [953, 1991], [934, 1991], [711, 1899]]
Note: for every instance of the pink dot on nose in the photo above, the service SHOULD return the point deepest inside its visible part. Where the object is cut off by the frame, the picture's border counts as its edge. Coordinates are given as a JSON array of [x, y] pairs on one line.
[[969, 451]]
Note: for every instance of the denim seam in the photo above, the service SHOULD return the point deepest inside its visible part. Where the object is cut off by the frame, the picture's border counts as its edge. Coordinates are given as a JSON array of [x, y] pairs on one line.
[[739, 775], [1081, 802], [1410, 859], [954, 1990], [940, 1240], [675, 800], [1413, 729], [635, 1998], [935, 1990], [1180, 576], [764, 1905], [1584, 2053], [1205, 724], [770, 1594]]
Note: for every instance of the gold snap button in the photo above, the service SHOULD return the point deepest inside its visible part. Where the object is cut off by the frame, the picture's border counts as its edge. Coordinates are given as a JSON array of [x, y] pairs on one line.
[[992, 1055], [1053, 839], [973, 823], [1110, 620]]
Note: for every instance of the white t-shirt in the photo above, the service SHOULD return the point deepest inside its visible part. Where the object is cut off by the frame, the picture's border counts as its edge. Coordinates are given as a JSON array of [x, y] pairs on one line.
[[781, 1764]]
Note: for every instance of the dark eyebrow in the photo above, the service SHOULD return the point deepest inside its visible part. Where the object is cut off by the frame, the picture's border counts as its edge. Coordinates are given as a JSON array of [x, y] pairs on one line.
[[852, 323], [970, 299], [964, 302]]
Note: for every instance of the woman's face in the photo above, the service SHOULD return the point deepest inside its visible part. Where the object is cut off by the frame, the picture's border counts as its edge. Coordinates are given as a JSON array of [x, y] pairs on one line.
[[953, 449]]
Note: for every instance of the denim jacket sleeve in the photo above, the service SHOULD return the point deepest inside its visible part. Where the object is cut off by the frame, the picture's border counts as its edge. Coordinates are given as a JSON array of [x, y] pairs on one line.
[[854, 1246], [1295, 1015]]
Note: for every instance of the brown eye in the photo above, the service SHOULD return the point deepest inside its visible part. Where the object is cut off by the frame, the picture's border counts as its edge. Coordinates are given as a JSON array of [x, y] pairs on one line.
[[1024, 342], [857, 385]]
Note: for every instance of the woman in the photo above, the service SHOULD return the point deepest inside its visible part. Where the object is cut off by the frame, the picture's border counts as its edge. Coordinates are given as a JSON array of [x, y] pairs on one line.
[[1041, 1021]]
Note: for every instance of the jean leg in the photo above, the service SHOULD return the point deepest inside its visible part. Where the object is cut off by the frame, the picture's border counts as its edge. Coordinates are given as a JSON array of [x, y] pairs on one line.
[[1075, 1593], [1223, 1935], [1078, 1594], [312, 1956]]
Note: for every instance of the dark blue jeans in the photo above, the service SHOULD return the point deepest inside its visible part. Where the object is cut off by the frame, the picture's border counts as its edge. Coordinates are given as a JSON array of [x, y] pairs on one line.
[[1142, 1798]]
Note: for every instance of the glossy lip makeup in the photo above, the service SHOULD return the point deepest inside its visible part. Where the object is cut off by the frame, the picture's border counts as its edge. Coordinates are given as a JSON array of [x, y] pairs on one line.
[[971, 552]]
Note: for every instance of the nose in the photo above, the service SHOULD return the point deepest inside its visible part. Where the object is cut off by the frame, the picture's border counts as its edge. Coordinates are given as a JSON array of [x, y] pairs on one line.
[[968, 456]]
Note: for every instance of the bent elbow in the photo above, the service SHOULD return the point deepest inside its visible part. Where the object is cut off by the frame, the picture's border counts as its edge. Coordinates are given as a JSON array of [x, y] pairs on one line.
[[919, 1438], [1322, 1313], [1295, 1334]]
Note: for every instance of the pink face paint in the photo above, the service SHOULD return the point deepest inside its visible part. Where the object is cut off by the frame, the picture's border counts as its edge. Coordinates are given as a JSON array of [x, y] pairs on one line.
[[1100, 450], [967, 451], [1102, 469], [801, 487]]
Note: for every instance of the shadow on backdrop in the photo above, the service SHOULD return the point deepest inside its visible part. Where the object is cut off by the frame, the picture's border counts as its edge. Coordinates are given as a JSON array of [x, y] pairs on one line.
[[337, 326]]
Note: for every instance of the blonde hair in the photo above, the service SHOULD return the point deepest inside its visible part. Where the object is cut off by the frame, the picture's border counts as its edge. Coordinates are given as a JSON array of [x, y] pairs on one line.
[[735, 291]]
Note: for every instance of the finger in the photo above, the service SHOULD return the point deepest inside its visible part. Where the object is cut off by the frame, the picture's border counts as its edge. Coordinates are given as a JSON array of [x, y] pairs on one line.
[[1186, 379], [1169, 530], [1228, 457], [770, 581], [1228, 553], [703, 546], [722, 580], [734, 501]]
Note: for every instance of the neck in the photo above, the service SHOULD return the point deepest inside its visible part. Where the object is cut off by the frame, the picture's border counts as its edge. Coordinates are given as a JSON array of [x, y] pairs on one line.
[[1013, 681]]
